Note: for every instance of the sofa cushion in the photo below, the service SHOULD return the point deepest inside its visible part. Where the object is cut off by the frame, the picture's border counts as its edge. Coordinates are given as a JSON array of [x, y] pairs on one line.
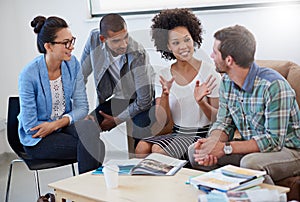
[[294, 184], [281, 66], [293, 78]]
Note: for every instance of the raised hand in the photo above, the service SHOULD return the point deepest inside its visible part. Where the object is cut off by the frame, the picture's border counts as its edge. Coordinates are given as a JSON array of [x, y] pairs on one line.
[[166, 85], [204, 89]]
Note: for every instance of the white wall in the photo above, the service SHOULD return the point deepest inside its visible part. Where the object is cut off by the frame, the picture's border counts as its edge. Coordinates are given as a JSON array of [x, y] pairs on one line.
[[276, 29]]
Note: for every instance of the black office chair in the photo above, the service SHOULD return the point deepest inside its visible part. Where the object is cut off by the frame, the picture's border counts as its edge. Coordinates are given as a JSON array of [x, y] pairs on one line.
[[15, 144]]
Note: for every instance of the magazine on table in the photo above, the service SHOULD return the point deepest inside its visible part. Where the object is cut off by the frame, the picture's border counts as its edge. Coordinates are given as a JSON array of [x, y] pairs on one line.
[[158, 164], [153, 164], [227, 178]]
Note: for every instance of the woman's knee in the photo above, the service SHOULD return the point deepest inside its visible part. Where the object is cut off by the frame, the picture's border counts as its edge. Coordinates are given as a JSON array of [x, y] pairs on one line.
[[157, 149], [143, 148]]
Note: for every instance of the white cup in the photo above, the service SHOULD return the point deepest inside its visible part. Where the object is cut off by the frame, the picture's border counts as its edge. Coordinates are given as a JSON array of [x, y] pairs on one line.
[[111, 173]]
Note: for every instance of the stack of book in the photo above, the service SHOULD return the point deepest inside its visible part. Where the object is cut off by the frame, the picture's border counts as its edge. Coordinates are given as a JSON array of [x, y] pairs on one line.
[[228, 178]]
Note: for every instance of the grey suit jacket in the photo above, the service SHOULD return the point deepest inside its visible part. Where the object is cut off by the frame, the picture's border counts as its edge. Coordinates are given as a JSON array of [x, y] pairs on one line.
[[136, 74]]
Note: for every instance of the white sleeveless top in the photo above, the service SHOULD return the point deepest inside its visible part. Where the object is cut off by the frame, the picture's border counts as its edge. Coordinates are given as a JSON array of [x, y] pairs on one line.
[[185, 111]]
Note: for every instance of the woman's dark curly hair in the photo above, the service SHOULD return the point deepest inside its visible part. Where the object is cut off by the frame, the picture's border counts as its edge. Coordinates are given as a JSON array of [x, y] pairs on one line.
[[167, 20]]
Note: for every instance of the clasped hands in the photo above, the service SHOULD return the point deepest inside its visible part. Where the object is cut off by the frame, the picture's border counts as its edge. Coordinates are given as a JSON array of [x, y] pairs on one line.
[[208, 150]]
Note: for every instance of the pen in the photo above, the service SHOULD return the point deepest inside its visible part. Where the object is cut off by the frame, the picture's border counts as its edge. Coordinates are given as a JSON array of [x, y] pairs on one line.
[[248, 180], [204, 188], [109, 98]]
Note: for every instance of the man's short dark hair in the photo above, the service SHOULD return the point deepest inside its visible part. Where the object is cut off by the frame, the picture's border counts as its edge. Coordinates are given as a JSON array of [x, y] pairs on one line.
[[239, 43], [111, 22]]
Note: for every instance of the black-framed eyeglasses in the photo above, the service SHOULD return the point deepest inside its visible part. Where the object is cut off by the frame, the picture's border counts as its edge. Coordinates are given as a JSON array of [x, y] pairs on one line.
[[67, 43]]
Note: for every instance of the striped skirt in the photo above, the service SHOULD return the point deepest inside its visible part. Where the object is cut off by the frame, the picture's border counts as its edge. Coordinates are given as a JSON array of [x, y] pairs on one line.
[[176, 143]]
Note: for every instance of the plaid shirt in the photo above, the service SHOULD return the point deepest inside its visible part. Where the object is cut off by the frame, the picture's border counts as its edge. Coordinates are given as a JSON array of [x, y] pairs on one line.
[[264, 109]]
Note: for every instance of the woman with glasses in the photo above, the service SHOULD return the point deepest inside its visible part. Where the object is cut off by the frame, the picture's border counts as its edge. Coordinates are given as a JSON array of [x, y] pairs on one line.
[[53, 100]]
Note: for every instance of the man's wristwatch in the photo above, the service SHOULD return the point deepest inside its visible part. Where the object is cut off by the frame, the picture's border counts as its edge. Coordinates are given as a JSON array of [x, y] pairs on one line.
[[227, 148]]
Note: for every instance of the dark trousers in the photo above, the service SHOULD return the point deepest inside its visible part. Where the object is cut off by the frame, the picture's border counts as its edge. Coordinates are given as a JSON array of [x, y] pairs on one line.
[[141, 122], [80, 141]]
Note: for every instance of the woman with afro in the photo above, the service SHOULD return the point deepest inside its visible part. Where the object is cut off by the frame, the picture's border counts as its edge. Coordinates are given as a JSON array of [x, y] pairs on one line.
[[187, 91]]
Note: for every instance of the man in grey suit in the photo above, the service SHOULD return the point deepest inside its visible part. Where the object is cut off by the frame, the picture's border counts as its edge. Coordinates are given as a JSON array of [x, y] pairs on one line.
[[122, 75]]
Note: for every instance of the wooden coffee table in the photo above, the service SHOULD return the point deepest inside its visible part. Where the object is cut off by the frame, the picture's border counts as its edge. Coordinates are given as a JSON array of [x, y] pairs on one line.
[[88, 187]]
